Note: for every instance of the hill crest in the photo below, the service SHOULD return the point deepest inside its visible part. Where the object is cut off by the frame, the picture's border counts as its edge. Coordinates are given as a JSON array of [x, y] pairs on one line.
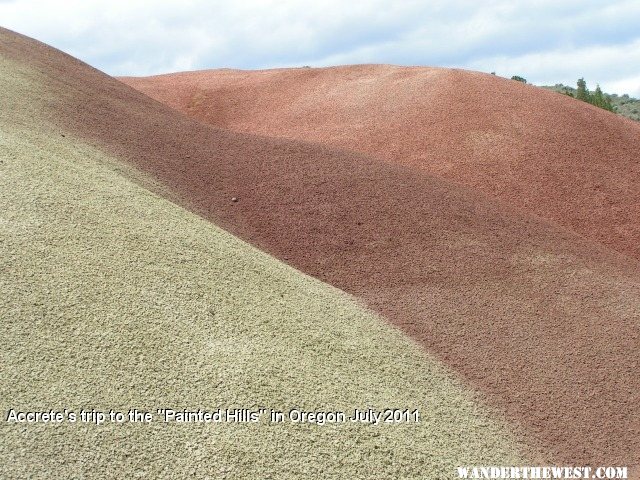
[[545, 153]]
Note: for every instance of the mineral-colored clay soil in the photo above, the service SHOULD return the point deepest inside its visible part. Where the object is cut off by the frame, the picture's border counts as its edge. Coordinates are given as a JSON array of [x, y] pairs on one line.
[[544, 152], [116, 298], [539, 320]]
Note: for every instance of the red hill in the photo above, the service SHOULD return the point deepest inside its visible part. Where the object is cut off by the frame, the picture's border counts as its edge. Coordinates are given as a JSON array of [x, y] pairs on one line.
[[539, 320], [549, 154]]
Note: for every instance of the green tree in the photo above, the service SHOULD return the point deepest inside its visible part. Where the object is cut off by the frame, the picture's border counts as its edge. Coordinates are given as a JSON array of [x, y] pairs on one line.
[[597, 98], [518, 78], [601, 100], [582, 93]]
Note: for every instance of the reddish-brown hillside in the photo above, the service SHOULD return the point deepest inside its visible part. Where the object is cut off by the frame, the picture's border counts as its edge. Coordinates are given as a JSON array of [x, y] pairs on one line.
[[547, 153], [543, 322]]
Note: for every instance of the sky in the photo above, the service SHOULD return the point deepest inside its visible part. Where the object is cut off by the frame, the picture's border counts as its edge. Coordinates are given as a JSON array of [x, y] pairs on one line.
[[545, 41]]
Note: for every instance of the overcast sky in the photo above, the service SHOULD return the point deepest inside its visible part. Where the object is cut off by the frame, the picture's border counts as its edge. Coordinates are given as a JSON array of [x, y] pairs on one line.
[[545, 41]]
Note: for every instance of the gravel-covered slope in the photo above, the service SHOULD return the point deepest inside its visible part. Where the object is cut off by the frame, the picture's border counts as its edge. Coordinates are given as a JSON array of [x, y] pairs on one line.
[[115, 298], [563, 160], [528, 314]]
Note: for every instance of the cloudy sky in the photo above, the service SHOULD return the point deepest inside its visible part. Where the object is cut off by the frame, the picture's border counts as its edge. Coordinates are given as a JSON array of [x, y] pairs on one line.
[[546, 41]]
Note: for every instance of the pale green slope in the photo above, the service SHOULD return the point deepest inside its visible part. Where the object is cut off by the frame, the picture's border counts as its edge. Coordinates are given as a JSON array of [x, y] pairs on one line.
[[113, 297]]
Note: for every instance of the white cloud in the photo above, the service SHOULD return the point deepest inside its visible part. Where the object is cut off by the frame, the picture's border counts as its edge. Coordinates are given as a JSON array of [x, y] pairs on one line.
[[616, 68], [630, 85], [545, 41]]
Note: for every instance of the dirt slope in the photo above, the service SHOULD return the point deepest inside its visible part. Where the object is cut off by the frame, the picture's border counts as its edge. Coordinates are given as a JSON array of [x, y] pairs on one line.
[[538, 319], [547, 153], [115, 298]]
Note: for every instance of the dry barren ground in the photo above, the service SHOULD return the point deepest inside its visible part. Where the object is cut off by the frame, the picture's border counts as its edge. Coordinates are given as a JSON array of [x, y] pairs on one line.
[[113, 298], [535, 318], [546, 153]]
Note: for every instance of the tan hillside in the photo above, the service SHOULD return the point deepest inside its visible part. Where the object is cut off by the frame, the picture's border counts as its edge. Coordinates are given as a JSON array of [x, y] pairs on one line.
[[525, 313]]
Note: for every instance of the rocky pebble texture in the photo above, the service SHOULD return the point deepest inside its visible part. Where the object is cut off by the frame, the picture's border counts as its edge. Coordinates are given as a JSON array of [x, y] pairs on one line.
[[116, 298]]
